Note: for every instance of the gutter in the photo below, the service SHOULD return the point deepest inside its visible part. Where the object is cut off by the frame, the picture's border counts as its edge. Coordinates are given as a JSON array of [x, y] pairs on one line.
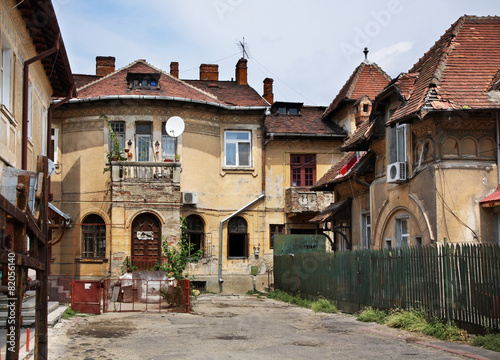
[[220, 233], [307, 135], [169, 98], [27, 63]]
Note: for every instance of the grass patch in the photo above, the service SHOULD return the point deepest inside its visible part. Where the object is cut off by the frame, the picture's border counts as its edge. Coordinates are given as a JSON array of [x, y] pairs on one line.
[[321, 305], [417, 321], [490, 342], [325, 306], [69, 313], [372, 315]]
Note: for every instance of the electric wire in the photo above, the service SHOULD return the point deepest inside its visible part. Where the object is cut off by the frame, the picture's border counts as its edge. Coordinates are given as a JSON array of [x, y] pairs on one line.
[[12, 8]]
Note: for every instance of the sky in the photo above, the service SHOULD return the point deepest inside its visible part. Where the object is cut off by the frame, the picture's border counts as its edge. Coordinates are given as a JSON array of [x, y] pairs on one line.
[[309, 48]]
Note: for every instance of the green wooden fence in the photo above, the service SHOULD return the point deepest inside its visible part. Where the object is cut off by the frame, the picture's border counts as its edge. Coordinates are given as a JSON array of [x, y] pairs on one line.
[[453, 282]]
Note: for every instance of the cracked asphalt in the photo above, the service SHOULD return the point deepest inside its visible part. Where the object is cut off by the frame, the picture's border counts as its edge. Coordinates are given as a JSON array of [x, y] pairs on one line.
[[242, 327]]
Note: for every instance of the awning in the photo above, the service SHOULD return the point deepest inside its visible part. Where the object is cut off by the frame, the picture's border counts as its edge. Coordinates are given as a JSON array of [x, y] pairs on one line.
[[54, 212], [491, 200], [331, 211]]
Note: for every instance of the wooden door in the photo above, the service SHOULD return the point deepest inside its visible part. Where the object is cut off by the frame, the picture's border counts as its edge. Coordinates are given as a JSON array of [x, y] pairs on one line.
[[146, 241]]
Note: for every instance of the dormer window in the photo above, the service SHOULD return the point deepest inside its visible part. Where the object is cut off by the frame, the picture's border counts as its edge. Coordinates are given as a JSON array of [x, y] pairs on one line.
[[285, 108], [149, 81]]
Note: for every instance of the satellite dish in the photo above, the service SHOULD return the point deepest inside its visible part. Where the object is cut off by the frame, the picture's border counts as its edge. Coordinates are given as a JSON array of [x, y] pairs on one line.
[[175, 126]]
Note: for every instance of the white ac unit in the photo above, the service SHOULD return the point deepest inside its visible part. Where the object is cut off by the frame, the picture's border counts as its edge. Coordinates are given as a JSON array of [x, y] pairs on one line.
[[189, 198], [396, 172]]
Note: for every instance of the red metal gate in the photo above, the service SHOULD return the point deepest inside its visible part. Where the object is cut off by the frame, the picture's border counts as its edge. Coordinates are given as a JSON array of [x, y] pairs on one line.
[[86, 296]]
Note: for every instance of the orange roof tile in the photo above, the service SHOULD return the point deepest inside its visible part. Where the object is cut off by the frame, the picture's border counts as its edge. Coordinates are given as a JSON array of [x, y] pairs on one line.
[[458, 71], [367, 79]]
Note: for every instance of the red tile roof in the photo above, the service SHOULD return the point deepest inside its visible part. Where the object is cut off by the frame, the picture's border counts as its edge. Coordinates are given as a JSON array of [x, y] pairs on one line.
[[334, 172], [458, 71], [220, 92], [230, 92], [362, 133], [493, 199], [367, 79], [307, 123]]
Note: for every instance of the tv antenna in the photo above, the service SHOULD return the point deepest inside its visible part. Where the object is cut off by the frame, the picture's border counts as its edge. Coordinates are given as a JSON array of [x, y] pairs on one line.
[[242, 46]]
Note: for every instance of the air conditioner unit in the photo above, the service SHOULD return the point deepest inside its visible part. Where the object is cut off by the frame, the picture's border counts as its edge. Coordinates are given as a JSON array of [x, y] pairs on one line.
[[396, 172], [189, 198]]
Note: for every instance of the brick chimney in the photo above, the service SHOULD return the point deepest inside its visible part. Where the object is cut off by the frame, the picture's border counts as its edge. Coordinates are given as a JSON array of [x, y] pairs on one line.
[[209, 72], [174, 69], [241, 72], [268, 90], [104, 65]]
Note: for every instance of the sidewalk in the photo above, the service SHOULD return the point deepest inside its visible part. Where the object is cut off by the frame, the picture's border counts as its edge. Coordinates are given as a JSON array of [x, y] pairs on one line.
[[22, 346]]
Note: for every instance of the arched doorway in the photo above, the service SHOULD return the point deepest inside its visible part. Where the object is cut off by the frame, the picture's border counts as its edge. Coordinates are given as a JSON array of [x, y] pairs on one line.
[[146, 241]]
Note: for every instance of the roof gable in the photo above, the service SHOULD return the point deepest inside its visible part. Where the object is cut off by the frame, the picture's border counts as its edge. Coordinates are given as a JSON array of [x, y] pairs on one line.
[[458, 70], [367, 79], [116, 84]]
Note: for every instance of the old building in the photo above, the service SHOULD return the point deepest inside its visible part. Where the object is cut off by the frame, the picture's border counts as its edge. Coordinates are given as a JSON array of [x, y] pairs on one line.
[[433, 135], [299, 148], [34, 68], [212, 174], [348, 219]]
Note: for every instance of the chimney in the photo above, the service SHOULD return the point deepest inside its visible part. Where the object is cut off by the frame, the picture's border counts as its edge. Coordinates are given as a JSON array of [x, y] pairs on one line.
[[174, 69], [268, 90], [104, 65], [241, 72], [209, 72]]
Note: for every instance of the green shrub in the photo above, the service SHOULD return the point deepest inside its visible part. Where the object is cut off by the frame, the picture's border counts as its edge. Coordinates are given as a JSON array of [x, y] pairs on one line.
[[325, 306], [372, 315], [69, 313], [490, 341]]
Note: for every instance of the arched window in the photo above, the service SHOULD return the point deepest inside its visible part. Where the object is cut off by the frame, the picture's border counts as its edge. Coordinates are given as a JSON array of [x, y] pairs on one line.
[[94, 237], [196, 233], [237, 238]]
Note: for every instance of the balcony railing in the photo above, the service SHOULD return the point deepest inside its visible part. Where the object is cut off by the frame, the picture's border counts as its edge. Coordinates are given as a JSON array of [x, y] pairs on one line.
[[140, 171], [299, 200]]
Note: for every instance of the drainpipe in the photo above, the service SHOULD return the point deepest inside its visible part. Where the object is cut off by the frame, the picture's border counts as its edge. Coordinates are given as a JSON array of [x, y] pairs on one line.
[[220, 234], [27, 63]]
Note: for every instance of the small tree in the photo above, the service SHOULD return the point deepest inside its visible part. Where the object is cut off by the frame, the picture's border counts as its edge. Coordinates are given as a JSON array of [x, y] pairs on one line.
[[178, 257]]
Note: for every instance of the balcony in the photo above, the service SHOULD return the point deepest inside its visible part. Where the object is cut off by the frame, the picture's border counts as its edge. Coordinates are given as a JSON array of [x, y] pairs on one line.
[[298, 201], [145, 171]]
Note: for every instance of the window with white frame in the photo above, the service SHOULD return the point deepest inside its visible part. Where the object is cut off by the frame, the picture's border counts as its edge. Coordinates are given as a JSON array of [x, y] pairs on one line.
[[54, 144], [143, 142], [237, 148], [401, 143], [402, 232], [5, 80], [118, 128], [168, 144], [366, 231]]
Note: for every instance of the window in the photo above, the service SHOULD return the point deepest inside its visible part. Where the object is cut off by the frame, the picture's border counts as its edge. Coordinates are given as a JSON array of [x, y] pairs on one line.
[[418, 241], [143, 142], [282, 110], [237, 147], [54, 144], [118, 128], [196, 233], [168, 144], [293, 111], [366, 230], [237, 238], [402, 232], [94, 237], [275, 230], [5, 90], [303, 170], [366, 108], [401, 143]]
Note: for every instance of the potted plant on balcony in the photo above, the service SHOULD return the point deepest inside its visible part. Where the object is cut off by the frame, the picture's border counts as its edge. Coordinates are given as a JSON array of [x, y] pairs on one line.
[[115, 154], [177, 158]]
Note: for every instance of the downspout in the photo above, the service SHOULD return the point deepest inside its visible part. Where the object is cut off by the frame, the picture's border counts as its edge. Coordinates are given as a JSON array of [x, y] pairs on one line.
[[220, 234], [27, 63]]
